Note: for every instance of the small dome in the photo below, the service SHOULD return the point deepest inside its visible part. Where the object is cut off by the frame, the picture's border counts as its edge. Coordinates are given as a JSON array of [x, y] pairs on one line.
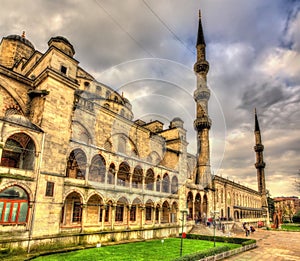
[[21, 39], [177, 119], [61, 39]]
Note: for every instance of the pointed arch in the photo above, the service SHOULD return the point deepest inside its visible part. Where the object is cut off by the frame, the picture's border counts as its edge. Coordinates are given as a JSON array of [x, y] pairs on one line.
[[97, 169], [93, 209], [174, 185], [123, 174], [111, 174], [149, 180], [81, 133], [76, 164], [166, 183], [137, 177], [19, 152], [166, 212], [72, 209]]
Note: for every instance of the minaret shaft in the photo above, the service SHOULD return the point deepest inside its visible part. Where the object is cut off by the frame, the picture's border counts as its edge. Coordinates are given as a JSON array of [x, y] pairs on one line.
[[202, 123], [260, 164]]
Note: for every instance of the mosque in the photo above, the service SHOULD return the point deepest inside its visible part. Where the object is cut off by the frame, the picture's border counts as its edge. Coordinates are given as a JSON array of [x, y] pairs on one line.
[[77, 168]]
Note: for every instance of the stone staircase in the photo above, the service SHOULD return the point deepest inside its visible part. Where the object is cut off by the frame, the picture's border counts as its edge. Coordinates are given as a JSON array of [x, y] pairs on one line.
[[205, 230], [231, 229]]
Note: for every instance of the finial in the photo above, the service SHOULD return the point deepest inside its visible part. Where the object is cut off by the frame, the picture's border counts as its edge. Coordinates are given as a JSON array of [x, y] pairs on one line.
[[199, 13], [23, 34], [255, 110]]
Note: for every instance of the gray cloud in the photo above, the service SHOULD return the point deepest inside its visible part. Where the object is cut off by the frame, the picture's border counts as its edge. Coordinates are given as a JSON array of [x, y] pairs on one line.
[[253, 48]]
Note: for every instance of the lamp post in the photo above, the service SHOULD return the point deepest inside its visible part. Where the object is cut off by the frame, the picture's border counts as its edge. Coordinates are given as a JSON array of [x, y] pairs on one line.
[[214, 224], [182, 224]]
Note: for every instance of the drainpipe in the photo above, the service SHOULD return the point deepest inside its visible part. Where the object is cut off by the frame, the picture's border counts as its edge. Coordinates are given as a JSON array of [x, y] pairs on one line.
[[35, 194]]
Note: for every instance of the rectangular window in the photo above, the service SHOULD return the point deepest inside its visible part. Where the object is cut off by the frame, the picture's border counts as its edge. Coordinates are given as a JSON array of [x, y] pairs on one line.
[[148, 213], [107, 208], [49, 189], [100, 214], [119, 213], [76, 212], [157, 214], [63, 69], [133, 213], [14, 212], [6, 212]]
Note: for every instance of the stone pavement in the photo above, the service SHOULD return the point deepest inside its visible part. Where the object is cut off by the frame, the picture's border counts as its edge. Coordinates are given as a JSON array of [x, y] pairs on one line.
[[272, 246]]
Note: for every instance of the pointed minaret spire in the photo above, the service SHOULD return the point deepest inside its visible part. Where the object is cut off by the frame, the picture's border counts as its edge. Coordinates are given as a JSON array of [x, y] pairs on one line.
[[256, 122], [200, 37]]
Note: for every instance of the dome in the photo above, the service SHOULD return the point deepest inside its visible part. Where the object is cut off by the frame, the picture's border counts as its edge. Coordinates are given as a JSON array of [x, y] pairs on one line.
[[64, 41], [21, 39], [60, 39], [177, 119]]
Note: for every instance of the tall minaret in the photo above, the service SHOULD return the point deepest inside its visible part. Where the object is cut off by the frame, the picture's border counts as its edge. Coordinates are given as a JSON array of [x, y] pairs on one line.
[[260, 165], [202, 123]]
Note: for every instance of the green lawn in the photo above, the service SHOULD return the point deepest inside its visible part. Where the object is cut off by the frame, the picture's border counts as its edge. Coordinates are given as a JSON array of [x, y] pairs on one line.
[[149, 251], [291, 227]]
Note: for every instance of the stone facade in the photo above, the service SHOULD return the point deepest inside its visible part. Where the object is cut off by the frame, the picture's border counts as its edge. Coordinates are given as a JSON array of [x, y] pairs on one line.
[[76, 168]]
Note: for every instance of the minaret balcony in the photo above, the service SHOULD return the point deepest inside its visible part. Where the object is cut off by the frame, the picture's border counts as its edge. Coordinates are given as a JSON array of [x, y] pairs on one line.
[[201, 67], [260, 165], [202, 123], [201, 94], [258, 148]]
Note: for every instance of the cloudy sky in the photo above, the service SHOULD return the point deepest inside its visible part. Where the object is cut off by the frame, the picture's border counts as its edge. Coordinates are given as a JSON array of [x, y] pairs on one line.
[[146, 49]]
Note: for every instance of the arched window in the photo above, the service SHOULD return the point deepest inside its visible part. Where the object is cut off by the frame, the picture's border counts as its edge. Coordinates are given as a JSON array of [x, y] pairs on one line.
[[158, 183], [166, 183], [174, 185], [149, 179], [108, 146], [122, 112], [13, 206], [137, 177], [97, 169], [18, 152], [76, 164], [122, 145], [111, 174], [123, 174]]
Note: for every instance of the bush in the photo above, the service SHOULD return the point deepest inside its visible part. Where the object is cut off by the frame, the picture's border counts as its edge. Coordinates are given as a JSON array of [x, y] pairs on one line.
[[296, 219], [234, 240], [206, 253]]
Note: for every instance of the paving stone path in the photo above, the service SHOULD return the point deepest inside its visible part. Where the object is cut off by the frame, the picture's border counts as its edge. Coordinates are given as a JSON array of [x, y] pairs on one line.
[[272, 246]]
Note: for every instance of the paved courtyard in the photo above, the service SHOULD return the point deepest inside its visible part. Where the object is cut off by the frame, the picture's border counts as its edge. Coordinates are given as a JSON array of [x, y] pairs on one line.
[[272, 245]]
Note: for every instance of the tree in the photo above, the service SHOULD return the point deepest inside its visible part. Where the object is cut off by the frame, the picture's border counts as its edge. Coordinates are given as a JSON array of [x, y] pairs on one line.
[[271, 206], [297, 181]]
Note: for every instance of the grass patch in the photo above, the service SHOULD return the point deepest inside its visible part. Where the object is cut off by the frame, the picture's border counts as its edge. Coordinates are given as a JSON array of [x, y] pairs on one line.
[[150, 250], [291, 227]]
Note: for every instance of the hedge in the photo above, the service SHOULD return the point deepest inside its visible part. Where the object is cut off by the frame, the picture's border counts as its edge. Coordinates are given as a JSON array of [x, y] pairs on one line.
[[233, 240], [206, 253]]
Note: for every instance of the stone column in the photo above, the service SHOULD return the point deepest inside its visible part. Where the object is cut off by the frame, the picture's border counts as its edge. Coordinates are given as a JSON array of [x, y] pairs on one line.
[[83, 216], [113, 216], [1, 149], [128, 215], [142, 209], [103, 209]]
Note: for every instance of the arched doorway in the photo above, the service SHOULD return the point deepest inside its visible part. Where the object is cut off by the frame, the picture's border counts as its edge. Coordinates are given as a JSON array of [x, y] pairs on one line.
[[189, 203], [198, 208]]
